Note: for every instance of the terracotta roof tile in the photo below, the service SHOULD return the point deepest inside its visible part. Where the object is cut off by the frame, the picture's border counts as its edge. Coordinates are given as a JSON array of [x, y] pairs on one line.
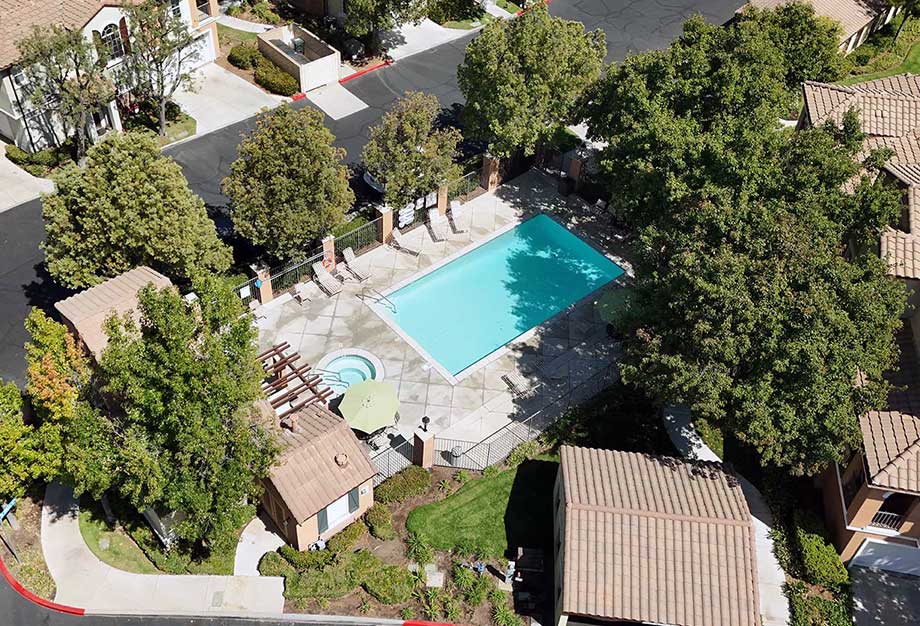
[[88, 310], [656, 539]]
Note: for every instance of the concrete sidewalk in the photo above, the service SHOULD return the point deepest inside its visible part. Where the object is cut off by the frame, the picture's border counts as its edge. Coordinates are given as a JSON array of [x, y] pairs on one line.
[[17, 185], [408, 39], [774, 607], [83, 580]]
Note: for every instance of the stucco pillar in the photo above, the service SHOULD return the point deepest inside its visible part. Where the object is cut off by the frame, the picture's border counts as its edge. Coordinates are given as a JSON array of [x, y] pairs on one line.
[[442, 200], [488, 178], [329, 252], [386, 224], [114, 116], [576, 165], [263, 283], [423, 448]]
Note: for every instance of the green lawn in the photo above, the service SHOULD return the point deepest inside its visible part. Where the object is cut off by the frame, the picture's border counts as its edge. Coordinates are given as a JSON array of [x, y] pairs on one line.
[[232, 36], [482, 20], [510, 7], [513, 508], [121, 552], [910, 64]]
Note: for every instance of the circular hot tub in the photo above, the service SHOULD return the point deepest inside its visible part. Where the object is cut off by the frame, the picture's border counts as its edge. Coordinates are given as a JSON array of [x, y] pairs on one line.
[[342, 368]]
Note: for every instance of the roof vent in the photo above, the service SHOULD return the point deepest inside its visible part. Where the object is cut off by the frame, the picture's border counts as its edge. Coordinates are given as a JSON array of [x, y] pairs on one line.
[[341, 460]]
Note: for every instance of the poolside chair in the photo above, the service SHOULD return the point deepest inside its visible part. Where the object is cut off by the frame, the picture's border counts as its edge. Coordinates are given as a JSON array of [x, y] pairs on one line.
[[454, 214], [351, 264], [256, 309], [302, 292], [326, 281], [519, 386], [396, 242], [436, 225]]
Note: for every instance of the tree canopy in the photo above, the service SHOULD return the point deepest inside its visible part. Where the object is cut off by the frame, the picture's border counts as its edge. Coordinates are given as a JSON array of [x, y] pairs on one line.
[[184, 380], [759, 297], [366, 18], [407, 154], [521, 78], [15, 452], [288, 185], [130, 206]]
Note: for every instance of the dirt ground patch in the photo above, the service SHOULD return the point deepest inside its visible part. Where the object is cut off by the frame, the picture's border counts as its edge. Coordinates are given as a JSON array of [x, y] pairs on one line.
[[30, 568]]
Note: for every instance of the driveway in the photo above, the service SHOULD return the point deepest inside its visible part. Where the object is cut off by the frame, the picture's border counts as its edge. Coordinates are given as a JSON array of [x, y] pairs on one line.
[[220, 98], [17, 185]]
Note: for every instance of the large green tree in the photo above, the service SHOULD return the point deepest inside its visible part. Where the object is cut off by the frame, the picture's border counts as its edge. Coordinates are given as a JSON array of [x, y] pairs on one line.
[[759, 299], [184, 380], [15, 444], [407, 153], [521, 78], [66, 76], [365, 19], [162, 53], [130, 206], [288, 185]]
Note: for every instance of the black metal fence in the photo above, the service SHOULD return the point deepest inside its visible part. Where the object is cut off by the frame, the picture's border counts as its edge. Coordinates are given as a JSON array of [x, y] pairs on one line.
[[285, 277], [463, 186], [391, 460], [361, 238]]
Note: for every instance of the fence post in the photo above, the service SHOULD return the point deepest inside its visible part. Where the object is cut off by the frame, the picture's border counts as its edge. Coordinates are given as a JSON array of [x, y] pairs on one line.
[[576, 165], [442, 200], [386, 223], [488, 178], [329, 252], [423, 448], [263, 283]]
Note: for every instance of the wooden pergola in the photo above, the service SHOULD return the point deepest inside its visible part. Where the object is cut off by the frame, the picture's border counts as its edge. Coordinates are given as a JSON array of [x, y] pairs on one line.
[[289, 386]]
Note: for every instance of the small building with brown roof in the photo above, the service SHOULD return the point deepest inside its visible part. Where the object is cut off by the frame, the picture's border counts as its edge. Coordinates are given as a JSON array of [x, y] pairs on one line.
[[657, 540], [85, 313], [857, 18], [323, 480]]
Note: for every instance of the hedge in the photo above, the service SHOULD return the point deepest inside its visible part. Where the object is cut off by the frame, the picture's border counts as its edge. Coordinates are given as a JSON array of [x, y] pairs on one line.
[[245, 56], [39, 163], [380, 522], [389, 584], [819, 560], [275, 79], [808, 610], [345, 539], [410, 482]]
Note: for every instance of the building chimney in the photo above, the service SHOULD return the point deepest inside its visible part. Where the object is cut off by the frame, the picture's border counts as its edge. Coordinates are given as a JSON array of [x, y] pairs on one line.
[[341, 460]]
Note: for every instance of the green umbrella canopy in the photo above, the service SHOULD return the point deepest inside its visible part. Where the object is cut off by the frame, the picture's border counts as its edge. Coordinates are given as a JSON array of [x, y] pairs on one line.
[[613, 304], [370, 405]]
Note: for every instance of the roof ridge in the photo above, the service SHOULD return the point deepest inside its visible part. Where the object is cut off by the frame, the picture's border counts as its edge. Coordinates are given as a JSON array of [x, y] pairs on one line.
[[833, 87], [680, 517], [912, 448]]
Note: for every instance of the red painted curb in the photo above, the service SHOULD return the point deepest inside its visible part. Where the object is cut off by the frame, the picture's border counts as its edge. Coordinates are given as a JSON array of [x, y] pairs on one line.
[[28, 595], [418, 622], [298, 96], [366, 70]]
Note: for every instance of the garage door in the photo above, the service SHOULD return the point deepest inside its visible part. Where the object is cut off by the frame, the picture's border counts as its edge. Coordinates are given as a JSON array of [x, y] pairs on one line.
[[890, 557]]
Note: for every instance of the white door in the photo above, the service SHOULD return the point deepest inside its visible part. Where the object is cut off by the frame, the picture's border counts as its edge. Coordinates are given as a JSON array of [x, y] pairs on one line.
[[337, 511]]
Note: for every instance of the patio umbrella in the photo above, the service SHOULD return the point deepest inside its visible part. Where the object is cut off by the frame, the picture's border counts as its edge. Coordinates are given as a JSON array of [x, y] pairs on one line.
[[369, 406]]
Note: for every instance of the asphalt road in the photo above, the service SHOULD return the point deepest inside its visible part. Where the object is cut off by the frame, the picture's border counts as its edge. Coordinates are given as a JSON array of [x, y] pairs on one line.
[[630, 25]]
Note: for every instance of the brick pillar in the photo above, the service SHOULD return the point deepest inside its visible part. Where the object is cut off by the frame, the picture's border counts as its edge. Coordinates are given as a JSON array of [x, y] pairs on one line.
[[263, 283], [423, 449], [442, 200], [329, 252], [488, 178], [575, 168], [386, 224]]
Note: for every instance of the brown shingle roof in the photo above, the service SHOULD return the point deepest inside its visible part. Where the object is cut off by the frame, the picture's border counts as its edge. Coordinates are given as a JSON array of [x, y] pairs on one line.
[[656, 539], [307, 476], [851, 14], [88, 310], [892, 436]]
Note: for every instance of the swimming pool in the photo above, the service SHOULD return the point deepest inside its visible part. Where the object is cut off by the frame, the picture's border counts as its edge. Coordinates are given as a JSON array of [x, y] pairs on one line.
[[470, 307]]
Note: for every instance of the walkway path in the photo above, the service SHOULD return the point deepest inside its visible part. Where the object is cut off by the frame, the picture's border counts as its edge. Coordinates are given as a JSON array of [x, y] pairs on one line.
[[244, 25], [774, 607], [85, 581], [17, 185]]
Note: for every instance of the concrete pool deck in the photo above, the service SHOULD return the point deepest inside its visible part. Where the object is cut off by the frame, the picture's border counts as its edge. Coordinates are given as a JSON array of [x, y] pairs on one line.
[[559, 356]]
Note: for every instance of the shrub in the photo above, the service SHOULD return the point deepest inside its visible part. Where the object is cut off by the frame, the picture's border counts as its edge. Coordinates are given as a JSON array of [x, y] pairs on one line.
[[431, 601], [410, 482], [39, 163], [473, 588], [504, 615], [389, 584], [491, 472], [380, 522], [273, 564], [406, 613], [313, 559], [451, 609], [471, 548], [275, 79], [263, 11], [16, 154], [344, 228], [346, 538], [235, 10], [462, 477], [524, 452], [418, 550], [245, 56], [807, 610], [820, 563]]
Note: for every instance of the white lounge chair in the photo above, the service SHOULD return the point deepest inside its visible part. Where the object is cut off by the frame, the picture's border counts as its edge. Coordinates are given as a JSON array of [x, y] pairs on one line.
[[436, 225], [397, 243], [454, 214], [302, 293], [351, 264], [326, 281], [255, 307]]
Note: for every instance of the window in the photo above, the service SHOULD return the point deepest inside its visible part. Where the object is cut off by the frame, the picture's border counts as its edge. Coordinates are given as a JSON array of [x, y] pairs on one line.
[[322, 521], [19, 78], [175, 8], [111, 38]]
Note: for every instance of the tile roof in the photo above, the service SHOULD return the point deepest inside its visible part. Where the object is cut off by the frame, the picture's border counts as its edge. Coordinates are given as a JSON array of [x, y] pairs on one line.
[[17, 17], [88, 310], [307, 476], [851, 14], [656, 539], [889, 113], [891, 437]]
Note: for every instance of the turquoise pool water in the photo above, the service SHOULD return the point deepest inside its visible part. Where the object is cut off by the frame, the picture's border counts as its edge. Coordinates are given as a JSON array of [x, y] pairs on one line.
[[467, 309], [347, 370]]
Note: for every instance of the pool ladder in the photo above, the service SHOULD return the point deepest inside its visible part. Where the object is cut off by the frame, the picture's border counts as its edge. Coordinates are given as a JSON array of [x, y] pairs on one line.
[[378, 298], [330, 376]]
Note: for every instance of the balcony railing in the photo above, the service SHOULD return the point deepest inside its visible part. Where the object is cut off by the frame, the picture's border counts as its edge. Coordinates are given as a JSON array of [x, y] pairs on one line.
[[204, 10], [889, 521]]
